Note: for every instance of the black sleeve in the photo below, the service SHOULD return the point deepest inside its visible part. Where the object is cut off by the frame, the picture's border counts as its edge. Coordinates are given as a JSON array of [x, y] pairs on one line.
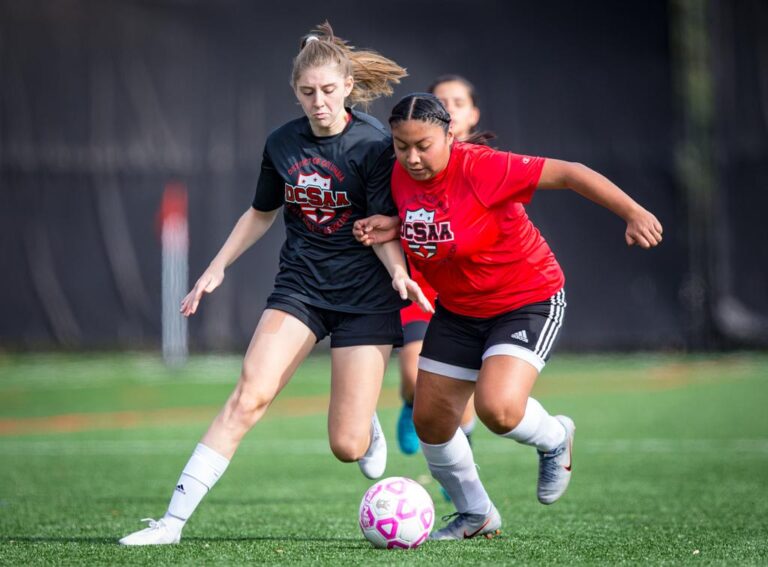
[[377, 184], [270, 191]]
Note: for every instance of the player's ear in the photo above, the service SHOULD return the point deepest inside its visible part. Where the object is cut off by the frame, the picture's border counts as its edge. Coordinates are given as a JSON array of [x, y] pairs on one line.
[[474, 119], [349, 83]]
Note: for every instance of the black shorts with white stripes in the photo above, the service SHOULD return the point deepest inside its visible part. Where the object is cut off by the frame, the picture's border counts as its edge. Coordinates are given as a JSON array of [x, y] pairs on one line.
[[456, 345]]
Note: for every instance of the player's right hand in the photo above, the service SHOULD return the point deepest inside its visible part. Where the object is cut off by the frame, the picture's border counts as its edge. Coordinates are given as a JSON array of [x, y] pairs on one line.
[[409, 289], [643, 229], [210, 280], [376, 229]]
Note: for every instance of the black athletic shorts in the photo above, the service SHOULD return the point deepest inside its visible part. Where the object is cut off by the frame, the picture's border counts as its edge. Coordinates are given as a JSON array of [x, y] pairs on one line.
[[345, 329], [414, 331], [456, 345]]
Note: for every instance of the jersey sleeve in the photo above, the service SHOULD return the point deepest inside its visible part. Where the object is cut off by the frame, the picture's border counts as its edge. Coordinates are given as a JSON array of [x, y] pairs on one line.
[[501, 176], [378, 184], [270, 190]]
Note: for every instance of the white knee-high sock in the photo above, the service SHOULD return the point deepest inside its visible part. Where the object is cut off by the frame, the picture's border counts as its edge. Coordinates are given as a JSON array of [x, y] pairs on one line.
[[468, 428], [203, 469], [538, 428], [453, 466]]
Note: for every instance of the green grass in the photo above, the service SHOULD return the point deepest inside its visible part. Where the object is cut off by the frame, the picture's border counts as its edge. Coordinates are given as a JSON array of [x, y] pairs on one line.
[[671, 466]]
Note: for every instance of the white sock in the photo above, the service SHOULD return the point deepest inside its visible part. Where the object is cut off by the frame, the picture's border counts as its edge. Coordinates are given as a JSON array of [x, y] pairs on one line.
[[453, 466], [468, 428], [538, 428], [203, 469]]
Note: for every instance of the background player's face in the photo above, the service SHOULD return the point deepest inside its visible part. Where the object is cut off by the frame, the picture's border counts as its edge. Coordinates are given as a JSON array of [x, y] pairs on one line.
[[321, 92], [422, 148], [457, 101]]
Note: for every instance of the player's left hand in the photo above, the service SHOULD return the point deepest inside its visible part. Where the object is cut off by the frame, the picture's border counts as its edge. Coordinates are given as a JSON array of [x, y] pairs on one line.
[[409, 289], [643, 229], [376, 229]]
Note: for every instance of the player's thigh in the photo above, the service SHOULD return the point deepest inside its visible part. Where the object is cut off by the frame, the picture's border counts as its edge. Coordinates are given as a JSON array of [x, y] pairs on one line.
[[356, 376], [438, 406], [279, 344], [503, 387], [517, 347]]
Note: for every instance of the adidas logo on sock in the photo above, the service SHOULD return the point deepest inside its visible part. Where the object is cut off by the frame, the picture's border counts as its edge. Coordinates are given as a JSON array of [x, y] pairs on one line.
[[520, 336], [180, 488]]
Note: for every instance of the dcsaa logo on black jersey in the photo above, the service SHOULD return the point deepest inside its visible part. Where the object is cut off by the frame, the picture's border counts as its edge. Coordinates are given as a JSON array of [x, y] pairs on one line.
[[313, 194], [422, 233]]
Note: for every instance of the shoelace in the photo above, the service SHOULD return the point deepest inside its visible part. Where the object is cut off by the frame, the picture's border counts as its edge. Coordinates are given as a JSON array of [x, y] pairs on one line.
[[547, 466], [459, 517], [153, 524]]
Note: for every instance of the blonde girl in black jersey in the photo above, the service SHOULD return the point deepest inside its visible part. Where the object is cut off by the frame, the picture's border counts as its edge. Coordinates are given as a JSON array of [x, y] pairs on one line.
[[320, 290]]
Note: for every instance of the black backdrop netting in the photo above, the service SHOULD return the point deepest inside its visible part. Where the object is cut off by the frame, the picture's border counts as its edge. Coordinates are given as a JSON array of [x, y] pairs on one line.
[[740, 65], [103, 103]]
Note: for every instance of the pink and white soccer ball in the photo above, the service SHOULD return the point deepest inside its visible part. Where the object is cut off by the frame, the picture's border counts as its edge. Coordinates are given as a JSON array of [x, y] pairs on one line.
[[396, 513]]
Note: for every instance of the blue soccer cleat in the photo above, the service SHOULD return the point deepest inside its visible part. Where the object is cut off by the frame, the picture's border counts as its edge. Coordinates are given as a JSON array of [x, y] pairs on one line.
[[407, 439]]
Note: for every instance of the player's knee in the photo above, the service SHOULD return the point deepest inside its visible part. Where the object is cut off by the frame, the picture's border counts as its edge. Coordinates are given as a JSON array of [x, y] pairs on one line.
[[247, 409], [249, 404], [348, 448], [500, 418], [430, 429]]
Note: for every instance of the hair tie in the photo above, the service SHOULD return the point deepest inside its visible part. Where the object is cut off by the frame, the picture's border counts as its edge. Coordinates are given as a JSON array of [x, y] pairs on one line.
[[310, 38]]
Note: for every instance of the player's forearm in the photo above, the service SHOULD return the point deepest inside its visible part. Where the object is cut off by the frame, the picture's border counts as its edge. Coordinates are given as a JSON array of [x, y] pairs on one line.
[[590, 184], [249, 228], [391, 255]]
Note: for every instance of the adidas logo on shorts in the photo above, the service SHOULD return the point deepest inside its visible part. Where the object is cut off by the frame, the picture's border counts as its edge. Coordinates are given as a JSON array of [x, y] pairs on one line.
[[520, 336]]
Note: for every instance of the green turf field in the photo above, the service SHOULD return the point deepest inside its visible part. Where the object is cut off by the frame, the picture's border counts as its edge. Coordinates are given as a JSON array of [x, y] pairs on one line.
[[670, 466]]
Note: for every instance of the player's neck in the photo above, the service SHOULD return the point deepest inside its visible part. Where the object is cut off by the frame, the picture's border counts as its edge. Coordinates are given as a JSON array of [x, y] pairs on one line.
[[337, 127]]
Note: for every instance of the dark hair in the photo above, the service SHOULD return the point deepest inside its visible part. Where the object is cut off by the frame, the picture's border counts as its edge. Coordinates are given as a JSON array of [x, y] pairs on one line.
[[455, 79], [426, 107], [373, 73]]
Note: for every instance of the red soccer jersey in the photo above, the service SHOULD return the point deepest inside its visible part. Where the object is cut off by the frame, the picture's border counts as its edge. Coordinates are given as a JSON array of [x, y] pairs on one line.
[[467, 232]]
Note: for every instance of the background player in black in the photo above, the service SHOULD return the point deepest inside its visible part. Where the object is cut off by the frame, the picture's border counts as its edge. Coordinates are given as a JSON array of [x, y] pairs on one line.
[[328, 169]]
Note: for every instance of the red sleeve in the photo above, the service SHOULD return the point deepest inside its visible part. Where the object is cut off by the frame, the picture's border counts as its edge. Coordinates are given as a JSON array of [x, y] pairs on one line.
[[500, 176]]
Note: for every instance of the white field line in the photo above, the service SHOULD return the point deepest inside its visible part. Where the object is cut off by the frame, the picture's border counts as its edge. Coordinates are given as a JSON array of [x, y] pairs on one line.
[[11, 447]]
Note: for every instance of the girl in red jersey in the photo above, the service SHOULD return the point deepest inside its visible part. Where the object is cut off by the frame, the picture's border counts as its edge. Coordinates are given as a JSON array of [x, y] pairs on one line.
[[500, 297], [458, 96], [324, 170]]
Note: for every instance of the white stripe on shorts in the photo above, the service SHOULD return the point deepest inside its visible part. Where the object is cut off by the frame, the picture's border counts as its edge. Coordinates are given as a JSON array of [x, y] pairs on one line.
[[449, 370], [518, 352], [552, 326]]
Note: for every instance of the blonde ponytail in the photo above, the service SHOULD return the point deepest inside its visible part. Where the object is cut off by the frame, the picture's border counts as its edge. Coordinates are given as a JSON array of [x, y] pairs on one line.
[[374, 74]]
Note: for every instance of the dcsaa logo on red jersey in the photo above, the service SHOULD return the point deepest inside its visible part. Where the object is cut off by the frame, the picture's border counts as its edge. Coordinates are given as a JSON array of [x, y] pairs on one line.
[[423, 234], [313, 194]]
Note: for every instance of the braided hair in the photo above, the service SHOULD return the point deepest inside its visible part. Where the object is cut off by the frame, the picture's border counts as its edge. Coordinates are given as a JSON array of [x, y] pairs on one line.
[[426, 107]]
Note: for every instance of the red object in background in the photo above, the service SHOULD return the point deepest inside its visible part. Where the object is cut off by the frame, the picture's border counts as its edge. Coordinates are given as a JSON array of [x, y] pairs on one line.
[[174, 200], [173, 206]]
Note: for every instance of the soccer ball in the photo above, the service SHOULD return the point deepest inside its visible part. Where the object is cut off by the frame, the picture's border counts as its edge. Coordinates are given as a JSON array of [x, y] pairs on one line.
[[396, 513]]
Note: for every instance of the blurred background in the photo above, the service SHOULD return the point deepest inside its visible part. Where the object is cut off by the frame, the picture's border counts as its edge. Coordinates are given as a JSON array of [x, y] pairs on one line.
[[107, 107], [104, 104]]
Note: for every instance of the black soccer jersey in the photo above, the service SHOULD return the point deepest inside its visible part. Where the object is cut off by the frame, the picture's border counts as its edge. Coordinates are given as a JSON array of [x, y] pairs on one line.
[[325, 185]]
